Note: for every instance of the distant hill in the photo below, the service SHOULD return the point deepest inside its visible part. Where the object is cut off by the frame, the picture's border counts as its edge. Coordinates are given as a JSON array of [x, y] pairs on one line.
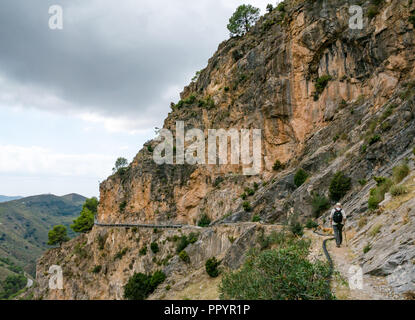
[[6, 198], [24, 226]]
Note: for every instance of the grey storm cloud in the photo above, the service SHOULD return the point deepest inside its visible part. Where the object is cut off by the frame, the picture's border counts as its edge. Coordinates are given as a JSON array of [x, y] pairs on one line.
[[112, 57]]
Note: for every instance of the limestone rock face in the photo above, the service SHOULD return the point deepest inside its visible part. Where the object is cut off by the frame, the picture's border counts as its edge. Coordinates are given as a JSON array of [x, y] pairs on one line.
[[360, 121], [267, 80]]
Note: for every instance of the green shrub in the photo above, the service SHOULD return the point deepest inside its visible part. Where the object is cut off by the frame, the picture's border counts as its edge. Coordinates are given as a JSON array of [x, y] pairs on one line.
[[339, 186], [123, 205], [278, 238], [256, 218], [400, 172], [387, 113], [376, 2], [101, 242], [284, 274], [154, 247], [204, 221], [300, 177], [85, 221], [188, 101], [412, 19], [379, 180], [321, 84], [319, 204], [362, 182], [12, 285], [97, 269], [137, 287], [184, 241], [57, 235], [374, 139], [367, 248], [296, 228], [218, 181], [182, 244], [249, 192], [143, 251], [211, 266], [193, 237], [310, 224], [375, 230], [247, 206], [184, 256], [385, 126], [281, 7], [277, 165], [120, 254], [141, 285], [398, 191], [377, 194], [372, 12], [157, 278], [80, 251], [244, 196], [374, 200]]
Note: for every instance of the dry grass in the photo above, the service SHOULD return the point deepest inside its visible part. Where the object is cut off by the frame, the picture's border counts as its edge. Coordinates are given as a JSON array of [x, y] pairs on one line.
[[396, 202], [204, 288], [340, 287], [409, 295], [375, 230], [362, 222], [405, 218]]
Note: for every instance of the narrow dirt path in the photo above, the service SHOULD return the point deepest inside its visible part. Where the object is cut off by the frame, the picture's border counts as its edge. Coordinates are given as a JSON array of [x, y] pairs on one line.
[[374, 288]]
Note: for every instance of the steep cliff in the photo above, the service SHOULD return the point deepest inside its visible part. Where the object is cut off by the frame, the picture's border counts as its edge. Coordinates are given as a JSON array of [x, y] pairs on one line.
[[327, 99]]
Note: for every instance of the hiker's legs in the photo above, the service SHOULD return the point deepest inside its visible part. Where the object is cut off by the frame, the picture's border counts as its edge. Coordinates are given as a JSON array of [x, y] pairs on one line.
[[340, 227], [337, 234]]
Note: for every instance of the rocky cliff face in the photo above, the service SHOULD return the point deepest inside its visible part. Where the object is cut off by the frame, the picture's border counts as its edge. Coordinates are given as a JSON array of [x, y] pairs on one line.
[[320, 92]]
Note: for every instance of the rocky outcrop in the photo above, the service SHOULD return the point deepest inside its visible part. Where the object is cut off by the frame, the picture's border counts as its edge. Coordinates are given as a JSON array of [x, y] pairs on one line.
[[97, 265], [359, 121]]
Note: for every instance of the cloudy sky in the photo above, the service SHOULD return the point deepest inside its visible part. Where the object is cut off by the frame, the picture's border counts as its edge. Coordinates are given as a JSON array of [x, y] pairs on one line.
[[73, 100]]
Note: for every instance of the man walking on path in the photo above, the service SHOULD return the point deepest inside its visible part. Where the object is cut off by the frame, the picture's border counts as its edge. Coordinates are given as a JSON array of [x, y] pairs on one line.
[[338, 219]]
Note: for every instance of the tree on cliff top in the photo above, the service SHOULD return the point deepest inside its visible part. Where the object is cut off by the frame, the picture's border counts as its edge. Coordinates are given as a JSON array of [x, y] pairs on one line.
[[85, 221], [242, 20], [120, 164], [57, 235]]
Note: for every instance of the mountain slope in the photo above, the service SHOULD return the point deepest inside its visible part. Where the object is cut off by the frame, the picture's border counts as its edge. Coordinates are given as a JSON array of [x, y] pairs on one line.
[[24, 226], [327, 98], [6, 198]]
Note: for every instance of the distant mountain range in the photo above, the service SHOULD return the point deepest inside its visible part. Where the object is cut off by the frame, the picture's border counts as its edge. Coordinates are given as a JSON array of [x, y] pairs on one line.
[[6, 198], [24, 226]]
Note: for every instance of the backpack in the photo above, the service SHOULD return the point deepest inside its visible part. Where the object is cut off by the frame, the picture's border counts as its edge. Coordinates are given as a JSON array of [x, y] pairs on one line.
[[338, 216]]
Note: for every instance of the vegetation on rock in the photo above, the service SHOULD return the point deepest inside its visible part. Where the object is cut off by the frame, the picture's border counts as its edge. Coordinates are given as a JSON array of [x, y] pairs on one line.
[[300, 177], [85, 221], [339, 186], [57, 235], [283, 274], [242, 20], [141, 285], [211, 267]]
